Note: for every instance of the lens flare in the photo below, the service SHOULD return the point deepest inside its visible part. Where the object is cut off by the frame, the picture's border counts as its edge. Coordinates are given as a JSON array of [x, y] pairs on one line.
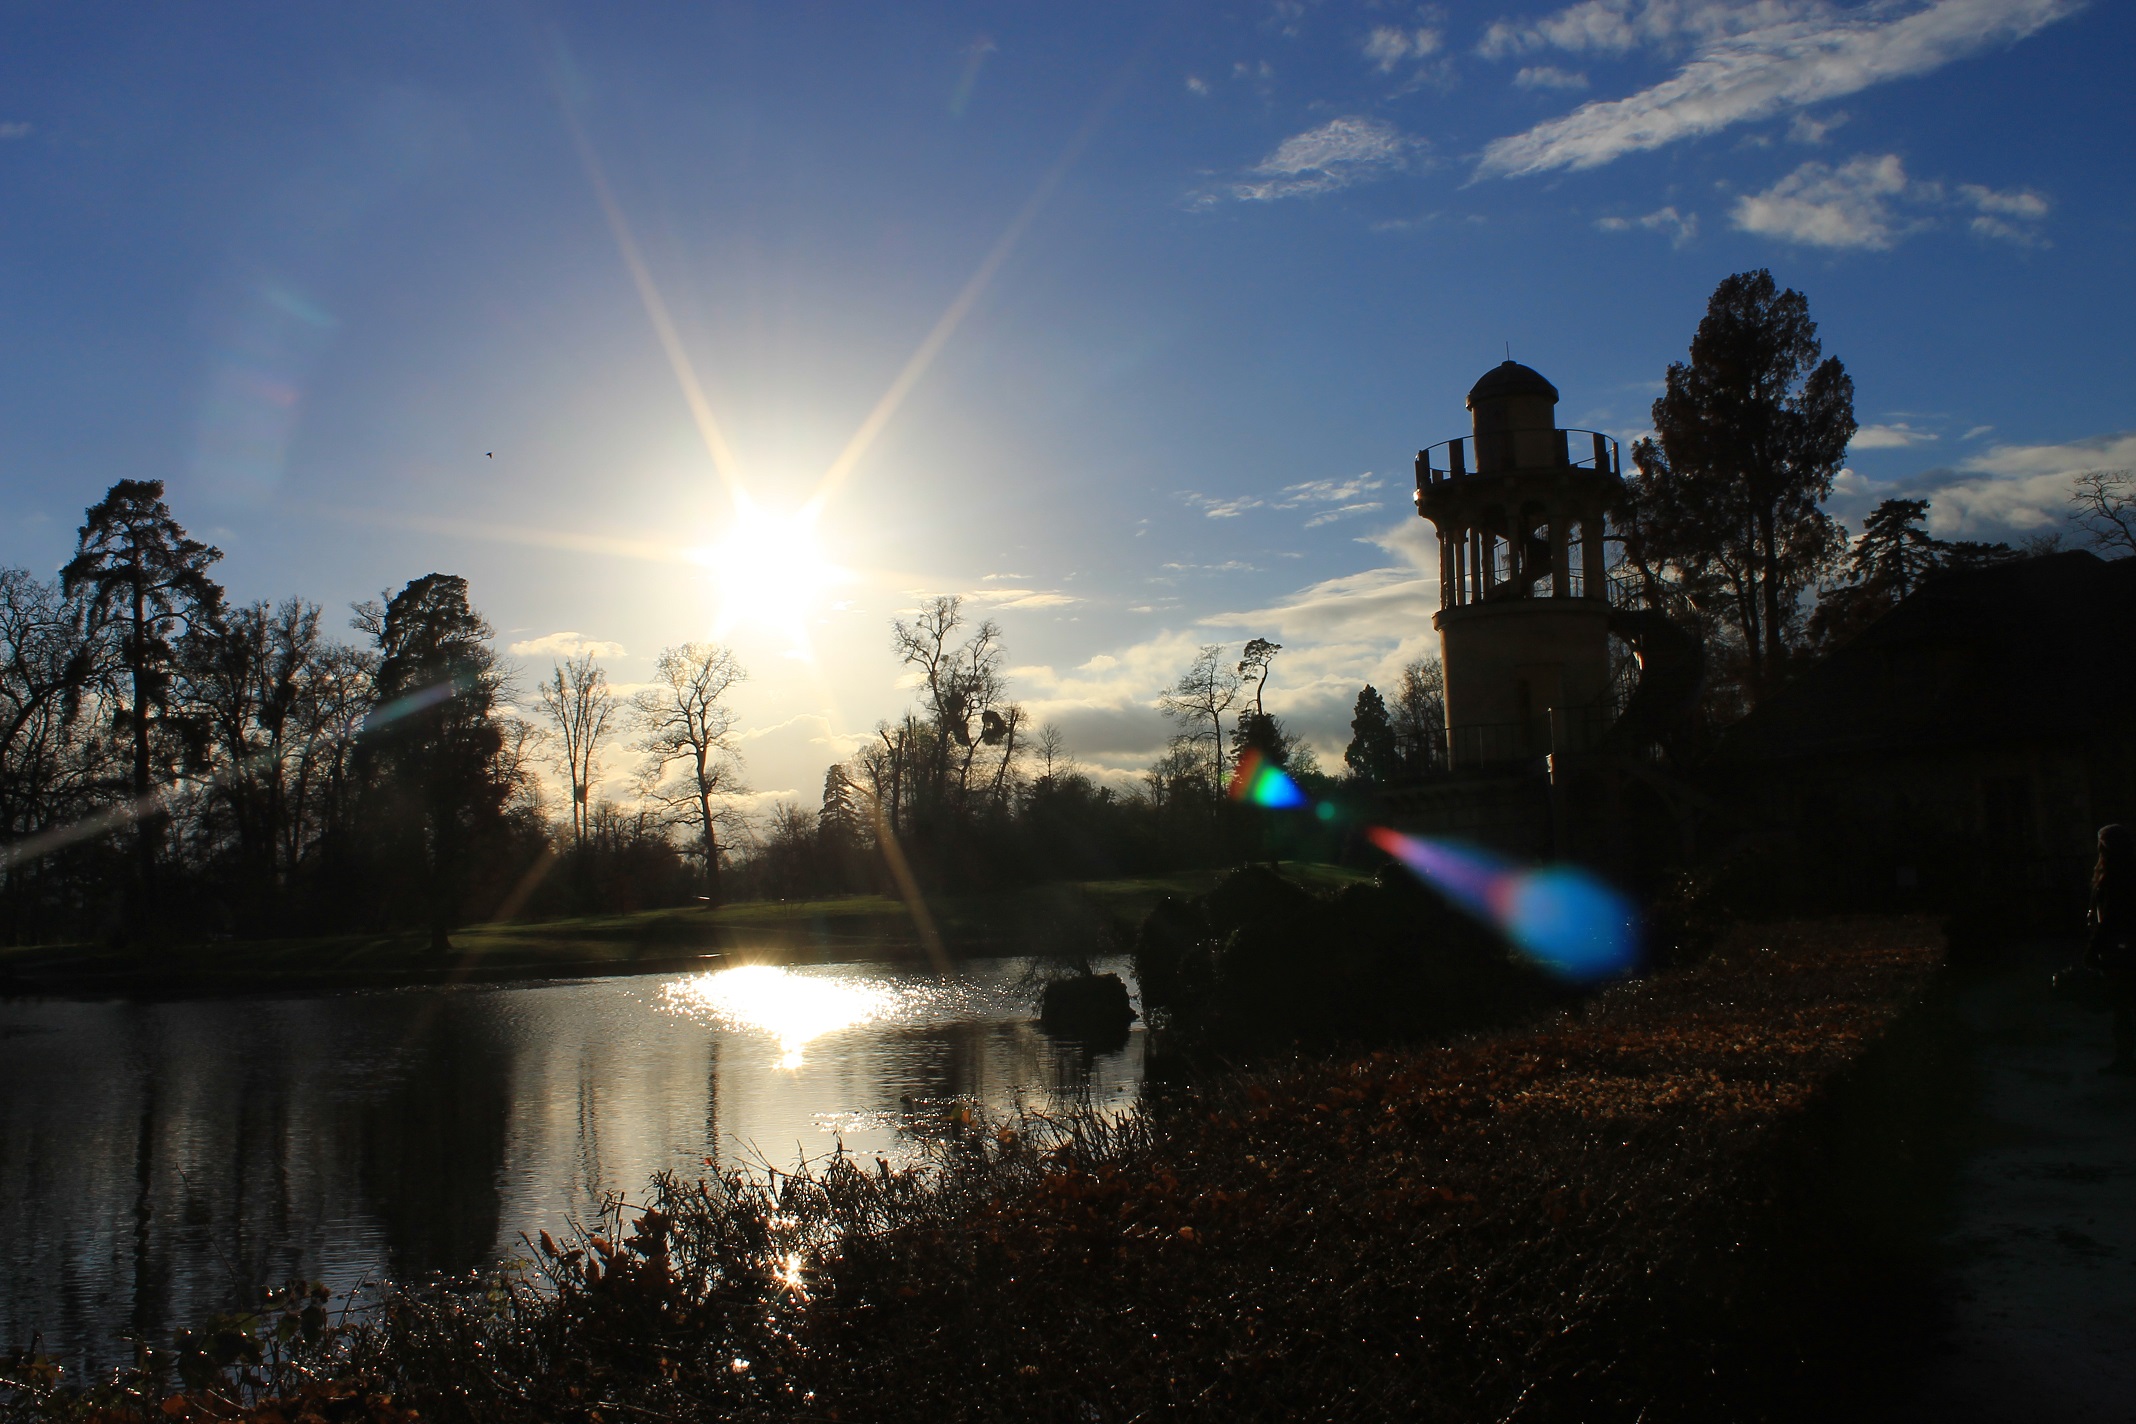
[[1564, 918], [1260, 782]]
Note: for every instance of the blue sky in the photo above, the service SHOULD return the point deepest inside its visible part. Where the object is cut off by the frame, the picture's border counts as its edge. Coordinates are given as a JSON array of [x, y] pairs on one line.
[[1188, 287]]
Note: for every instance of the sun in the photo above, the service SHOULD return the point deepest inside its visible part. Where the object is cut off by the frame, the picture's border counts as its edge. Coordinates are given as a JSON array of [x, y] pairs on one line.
[[771, 573]]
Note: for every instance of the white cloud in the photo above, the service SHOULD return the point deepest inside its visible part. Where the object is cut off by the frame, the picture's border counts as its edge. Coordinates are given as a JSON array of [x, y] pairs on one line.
[[1018, 597], [1221, 508], [1229, 566], [2012, 215], [1340, 633], [1895, 436], [1331, 500], [2023, 488], [1750, 62], [2020, 203], [1976, 432], [1811, 129], [1389, 45], [1681, 227], [565, 645], [1339, 154], [14, 130], [1855, 205], [1548, 76], [1821, 206], [1327, 491], [1197, 86]]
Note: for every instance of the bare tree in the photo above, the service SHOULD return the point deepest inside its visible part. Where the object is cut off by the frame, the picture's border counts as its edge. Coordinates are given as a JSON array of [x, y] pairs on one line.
[[961, 684], [1419, 713], [1055, 761], [684, 723], [580, 709], [2105, 503], [1197, 704]]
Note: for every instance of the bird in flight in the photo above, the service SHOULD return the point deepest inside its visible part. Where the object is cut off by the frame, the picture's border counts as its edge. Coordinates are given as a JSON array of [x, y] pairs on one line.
[[489, 454]]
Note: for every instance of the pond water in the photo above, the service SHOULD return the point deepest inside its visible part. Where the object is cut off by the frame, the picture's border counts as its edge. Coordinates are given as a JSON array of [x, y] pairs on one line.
[[161, 1161]]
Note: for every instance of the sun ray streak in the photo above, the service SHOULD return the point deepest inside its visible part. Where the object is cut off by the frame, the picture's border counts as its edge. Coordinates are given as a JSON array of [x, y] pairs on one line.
[[656, 309], [953, 316]]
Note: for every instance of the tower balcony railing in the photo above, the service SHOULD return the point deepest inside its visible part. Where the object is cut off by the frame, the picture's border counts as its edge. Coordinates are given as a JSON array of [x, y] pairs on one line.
[[1577, 450]]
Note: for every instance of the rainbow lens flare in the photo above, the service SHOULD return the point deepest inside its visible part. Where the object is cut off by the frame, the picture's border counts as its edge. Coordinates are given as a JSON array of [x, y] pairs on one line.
[[1260, 782], [1565, 919]]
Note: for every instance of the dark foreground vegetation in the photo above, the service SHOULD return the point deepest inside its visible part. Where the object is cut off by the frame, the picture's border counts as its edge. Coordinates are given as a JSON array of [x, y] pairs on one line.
[[1649, 1206]]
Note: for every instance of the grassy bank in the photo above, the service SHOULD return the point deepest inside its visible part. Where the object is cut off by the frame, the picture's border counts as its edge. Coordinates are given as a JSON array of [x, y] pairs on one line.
[[1640, 1209], [1042, 918]]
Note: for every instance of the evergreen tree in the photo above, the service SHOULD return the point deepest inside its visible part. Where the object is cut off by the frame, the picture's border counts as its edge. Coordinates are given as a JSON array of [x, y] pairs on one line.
[[145, 583], [1890, 560], [433, 737], [1727, 504], [1372, 754]]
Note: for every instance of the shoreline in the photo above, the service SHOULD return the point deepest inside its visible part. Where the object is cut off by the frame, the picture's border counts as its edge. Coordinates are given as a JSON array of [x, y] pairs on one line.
[[1065, 916]]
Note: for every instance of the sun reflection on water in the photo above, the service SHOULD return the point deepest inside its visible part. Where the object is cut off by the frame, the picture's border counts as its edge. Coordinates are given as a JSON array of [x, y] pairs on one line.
[[792, 1008]]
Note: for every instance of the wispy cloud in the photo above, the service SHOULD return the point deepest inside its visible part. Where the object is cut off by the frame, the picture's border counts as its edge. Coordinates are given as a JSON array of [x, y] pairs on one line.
[[1331, 500], [1221, 508], [1869, 202], [1811, 129], [1680, 227], [565, 645], [1020, 597], [1389, 46], [1548, 76], [1749, 62], [1228, 566], [14, 130], [1339, 154], [2010, 216], [1895, 436]]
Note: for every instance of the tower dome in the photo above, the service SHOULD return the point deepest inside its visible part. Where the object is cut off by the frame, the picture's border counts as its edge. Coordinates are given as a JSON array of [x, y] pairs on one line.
[[1510, 378]]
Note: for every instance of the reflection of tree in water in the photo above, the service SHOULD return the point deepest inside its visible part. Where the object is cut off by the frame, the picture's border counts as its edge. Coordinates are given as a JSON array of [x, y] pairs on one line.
[[983, 1061], [431, 1146]]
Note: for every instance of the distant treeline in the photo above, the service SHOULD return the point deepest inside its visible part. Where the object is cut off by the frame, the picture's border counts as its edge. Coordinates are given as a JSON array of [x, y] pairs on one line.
[[176, 766]]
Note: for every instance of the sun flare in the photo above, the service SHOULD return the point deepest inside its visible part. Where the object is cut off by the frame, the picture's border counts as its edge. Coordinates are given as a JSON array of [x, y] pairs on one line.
[[792, 1008], [771, 573]]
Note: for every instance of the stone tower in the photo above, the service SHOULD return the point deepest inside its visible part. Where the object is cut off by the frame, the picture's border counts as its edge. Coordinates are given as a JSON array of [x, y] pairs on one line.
[[1523, 617]]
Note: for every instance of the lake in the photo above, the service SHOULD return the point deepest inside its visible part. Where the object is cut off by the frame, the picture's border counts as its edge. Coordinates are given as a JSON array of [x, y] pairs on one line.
[[161, 1161]]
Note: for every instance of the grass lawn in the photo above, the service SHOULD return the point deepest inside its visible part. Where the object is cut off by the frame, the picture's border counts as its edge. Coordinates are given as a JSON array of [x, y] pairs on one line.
[[1068, 917]]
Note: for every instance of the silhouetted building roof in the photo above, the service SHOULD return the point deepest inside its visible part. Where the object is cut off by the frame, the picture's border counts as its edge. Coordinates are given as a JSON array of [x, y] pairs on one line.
[[2036, 649], [1510, 378]]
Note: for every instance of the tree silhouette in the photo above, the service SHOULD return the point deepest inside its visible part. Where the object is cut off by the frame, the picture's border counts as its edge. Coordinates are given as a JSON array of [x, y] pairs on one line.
[[1196, 703], [433, 733], [1891, 559], [581, 710], [144, 579], [684, 721], [1372, 754], [2105, 502], [1752, 431], [1419, 717]]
